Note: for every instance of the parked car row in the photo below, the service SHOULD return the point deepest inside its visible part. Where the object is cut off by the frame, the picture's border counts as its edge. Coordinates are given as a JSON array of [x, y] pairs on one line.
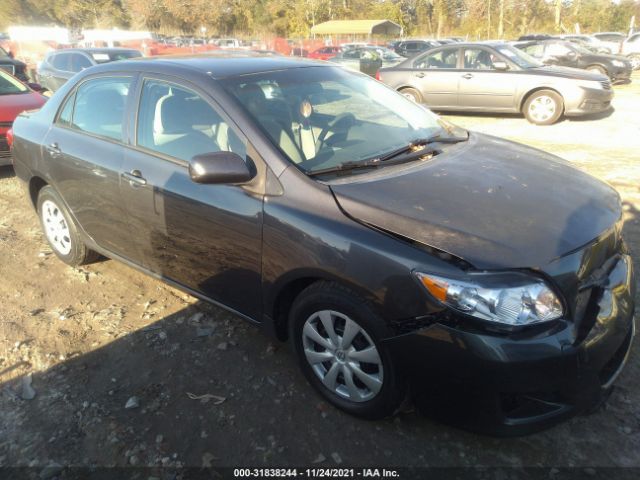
[[396, 252]]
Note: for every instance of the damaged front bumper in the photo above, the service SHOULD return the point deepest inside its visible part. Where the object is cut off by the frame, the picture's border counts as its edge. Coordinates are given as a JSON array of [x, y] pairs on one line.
[[519, 383]]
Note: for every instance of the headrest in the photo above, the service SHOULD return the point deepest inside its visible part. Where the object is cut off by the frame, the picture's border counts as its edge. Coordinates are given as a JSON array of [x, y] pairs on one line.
[[180, 114]]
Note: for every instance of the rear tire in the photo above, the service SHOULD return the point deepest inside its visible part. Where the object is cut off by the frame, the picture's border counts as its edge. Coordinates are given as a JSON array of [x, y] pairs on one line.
[[345, 362], [412, 94], [543, 107], [61, 231]]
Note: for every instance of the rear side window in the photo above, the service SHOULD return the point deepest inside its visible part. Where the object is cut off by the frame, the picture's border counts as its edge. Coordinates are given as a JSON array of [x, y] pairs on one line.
[[178, 122], [79, 62], [61, 62], [66, 113], [442, 59], [100, 106]]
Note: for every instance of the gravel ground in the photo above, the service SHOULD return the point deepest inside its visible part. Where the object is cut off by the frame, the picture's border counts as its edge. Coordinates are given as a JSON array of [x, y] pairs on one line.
[[128, 371]]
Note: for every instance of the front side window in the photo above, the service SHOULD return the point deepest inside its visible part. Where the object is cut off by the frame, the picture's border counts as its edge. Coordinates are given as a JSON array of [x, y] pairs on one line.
[[479, 59], [536, 50], [100, 106], [323, 117], [177, 122], [557, 50], [447, 59]]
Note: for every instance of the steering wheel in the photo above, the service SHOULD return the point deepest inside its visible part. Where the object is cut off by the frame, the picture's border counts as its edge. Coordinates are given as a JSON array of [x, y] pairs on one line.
[[347, 120]]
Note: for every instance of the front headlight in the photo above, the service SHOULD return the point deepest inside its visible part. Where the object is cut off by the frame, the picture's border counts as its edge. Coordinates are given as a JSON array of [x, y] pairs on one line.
[[510, 299], [618, 63]]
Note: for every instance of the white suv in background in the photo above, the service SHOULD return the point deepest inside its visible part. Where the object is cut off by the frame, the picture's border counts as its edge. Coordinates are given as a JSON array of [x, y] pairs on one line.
[[631, 49]]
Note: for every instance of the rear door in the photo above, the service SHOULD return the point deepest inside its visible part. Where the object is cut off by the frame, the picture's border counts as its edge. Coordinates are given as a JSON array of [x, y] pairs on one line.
[[205, 237], [481, 86], [435, 74], [85, 147]]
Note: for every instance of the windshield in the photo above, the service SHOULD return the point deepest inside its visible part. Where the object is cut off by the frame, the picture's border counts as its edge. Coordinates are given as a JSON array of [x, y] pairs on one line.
[[323, 117], [10, 85], [105, 57], [518, 57]]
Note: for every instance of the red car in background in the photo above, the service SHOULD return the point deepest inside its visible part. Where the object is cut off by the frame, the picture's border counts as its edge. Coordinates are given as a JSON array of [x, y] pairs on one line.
[[15, 97], [325, 53]]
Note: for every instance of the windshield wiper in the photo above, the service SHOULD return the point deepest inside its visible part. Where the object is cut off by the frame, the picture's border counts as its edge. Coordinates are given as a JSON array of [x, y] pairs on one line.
[[415, 149]]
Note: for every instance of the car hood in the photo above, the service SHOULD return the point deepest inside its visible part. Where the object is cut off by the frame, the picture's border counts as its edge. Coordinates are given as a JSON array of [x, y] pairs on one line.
[[12, 105], [494, 203], [567, 72]]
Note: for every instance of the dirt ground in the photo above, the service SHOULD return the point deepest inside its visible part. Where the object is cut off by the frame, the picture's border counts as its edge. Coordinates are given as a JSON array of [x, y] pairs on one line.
[[212, 390]]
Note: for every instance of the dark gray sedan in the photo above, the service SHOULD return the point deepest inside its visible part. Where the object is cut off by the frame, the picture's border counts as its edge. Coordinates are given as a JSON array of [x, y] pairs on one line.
[[496, 77], [395, 252], [60, 65]]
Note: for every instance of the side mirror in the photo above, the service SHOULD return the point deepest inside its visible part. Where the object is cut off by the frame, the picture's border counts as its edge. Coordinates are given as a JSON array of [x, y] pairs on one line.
[[500, 66], [220, 167]]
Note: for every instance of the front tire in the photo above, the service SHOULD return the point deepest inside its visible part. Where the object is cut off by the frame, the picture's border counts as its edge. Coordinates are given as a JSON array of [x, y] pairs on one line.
[[60, 230], [598, 69], [412, 94], [543, 107], [635, 61], [336, 337]]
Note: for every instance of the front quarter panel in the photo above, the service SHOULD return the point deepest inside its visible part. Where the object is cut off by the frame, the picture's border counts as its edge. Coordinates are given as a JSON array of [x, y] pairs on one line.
[[307, 236]]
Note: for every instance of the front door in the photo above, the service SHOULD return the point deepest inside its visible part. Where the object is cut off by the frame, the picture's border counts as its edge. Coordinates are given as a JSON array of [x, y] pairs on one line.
[[481, 86], [205, 237], [86, 143]]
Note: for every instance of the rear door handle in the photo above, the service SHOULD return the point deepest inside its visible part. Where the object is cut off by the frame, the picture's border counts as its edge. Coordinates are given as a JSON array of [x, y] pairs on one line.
[[53, 148], [467, 76], [419, 74], [134, 177]]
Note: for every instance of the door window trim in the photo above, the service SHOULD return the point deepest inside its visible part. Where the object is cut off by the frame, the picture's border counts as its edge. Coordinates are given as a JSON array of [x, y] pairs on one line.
[[125, 120], [132, 141]]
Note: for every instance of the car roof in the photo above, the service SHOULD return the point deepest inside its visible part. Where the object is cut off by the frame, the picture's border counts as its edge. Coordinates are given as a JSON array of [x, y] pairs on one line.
[[216, 65], [94, 50]]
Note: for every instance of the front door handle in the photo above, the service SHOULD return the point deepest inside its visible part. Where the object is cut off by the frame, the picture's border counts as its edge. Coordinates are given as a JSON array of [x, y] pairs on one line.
[[467, 76], [134, 177], [419, 74]]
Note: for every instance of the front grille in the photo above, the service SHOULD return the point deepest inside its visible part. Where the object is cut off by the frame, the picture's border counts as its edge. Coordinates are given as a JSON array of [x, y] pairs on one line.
[[6, 124], [9, 68], [606, 84], [4, 147]]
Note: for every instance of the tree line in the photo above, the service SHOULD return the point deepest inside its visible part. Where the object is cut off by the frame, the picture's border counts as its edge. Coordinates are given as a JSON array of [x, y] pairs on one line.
[[479, 19]]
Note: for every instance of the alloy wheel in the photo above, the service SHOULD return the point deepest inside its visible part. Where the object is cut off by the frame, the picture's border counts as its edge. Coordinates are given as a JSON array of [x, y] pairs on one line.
[[56, 227], [342, 355]]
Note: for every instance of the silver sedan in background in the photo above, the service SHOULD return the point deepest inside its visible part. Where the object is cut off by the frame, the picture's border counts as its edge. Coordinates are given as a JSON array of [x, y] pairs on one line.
[[496, 77]]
